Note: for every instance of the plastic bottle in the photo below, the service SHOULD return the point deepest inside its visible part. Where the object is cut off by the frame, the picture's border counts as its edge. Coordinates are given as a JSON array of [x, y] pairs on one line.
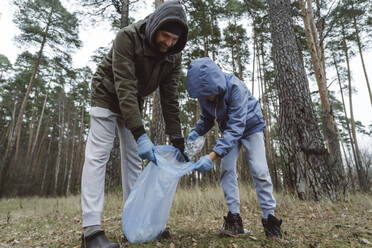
[[193, 147]]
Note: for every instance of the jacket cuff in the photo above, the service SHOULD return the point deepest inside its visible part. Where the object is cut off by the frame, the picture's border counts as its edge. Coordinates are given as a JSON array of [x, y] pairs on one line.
[[138, 131], [219, 152]]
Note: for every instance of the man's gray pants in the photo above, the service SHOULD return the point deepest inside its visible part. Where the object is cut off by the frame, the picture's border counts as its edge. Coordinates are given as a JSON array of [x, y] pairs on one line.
[[97, 152], [255, 153]]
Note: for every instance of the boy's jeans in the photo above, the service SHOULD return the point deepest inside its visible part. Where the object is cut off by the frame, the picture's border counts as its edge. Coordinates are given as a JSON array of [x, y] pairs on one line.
[[255, 153]]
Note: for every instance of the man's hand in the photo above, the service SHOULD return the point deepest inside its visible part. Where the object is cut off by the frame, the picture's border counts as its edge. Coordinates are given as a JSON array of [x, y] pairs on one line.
[[179, 142], [146, 148]]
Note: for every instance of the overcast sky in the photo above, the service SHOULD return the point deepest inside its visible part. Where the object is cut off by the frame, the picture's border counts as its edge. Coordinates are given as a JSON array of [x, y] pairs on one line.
[[101, 35]]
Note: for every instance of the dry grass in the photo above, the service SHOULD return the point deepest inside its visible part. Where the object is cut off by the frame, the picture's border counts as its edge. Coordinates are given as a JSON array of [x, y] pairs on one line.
[[194, 221]]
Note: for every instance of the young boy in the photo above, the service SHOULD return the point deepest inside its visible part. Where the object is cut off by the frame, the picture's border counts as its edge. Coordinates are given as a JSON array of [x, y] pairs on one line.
[[225, 98]]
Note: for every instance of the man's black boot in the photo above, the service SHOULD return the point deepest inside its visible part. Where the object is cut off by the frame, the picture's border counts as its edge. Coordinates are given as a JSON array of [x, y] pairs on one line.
[[233, 225], [165, 234], [97, 239], [272, 227]]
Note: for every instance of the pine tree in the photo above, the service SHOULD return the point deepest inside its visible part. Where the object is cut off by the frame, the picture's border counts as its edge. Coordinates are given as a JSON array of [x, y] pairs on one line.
[[309, 172], [48, 25], [314, 37]]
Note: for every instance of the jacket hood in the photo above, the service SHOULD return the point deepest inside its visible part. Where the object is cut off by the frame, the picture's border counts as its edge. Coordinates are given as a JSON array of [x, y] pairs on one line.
[[205, 78], [169, 11]]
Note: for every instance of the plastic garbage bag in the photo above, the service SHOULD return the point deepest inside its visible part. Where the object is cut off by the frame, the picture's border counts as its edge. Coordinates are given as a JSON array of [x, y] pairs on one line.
[[194, 146], [147, 208]]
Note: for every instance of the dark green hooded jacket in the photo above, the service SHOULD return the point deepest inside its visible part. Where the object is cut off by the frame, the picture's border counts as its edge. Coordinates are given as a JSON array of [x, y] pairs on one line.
[[134, 68]]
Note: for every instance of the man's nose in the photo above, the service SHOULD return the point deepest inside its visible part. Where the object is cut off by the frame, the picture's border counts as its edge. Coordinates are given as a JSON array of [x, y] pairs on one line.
[[168, 42]]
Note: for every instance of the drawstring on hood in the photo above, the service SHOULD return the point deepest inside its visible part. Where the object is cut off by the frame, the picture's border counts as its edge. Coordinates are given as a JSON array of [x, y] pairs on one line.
[[169, 11], [205, 78]]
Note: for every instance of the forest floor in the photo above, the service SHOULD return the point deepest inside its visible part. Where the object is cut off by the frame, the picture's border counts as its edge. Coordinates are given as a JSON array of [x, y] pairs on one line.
[[195, 220]]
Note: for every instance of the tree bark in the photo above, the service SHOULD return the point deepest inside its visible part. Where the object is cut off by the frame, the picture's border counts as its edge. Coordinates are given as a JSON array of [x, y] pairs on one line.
[[46, 166], [157, 121], [240, 67], [351, 178], [11, 126], [309, 172], [72, 161], [254, 56], [30, 134], [38, 128], [124, 20], [60, 144], [317, 59]]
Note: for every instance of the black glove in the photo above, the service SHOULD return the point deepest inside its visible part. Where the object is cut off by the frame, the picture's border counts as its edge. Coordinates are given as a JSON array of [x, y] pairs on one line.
[[179, 143]]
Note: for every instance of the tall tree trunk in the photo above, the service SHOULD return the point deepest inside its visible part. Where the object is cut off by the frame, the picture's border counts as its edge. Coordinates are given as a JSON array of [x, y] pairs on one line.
[[72, 161], [254, 55], [60, 143], [157, 122], [30, 135], [233, 59], [81, 146], [270, 154], [259, 76], [361, 53], [38, 128], [240, 66], [212, 34], [317, 59], [358, 162], [124, 20], [351, 178], [67, 151], [33, 176], [11, 131], [8, 158], [309, 171], [46, 166], [344, 108]]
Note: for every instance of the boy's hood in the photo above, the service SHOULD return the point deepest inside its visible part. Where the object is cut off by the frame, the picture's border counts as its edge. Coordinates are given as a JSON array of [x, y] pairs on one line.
[[205, 78]]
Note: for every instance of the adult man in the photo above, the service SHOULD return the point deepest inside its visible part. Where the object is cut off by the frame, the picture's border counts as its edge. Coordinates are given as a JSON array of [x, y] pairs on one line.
[[144, 56], [224, 97]]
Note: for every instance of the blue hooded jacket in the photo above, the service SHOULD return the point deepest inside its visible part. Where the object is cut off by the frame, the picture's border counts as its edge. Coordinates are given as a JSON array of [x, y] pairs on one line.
[[237, 112]]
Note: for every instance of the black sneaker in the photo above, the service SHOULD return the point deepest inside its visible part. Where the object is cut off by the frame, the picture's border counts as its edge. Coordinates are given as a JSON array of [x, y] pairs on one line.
[[272, 227], [97, 239], [233, 225]]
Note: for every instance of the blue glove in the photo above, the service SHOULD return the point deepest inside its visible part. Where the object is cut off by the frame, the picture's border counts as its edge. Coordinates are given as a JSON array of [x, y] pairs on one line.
[[204, 164], [192, 136], [146, 148]]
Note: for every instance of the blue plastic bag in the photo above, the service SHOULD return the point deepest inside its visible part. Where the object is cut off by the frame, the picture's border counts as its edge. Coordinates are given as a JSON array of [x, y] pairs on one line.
[[147, 208]]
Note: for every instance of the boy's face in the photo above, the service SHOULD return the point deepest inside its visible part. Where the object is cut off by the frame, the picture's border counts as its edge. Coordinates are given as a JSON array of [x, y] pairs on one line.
[[165, 40], [210, 98]]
